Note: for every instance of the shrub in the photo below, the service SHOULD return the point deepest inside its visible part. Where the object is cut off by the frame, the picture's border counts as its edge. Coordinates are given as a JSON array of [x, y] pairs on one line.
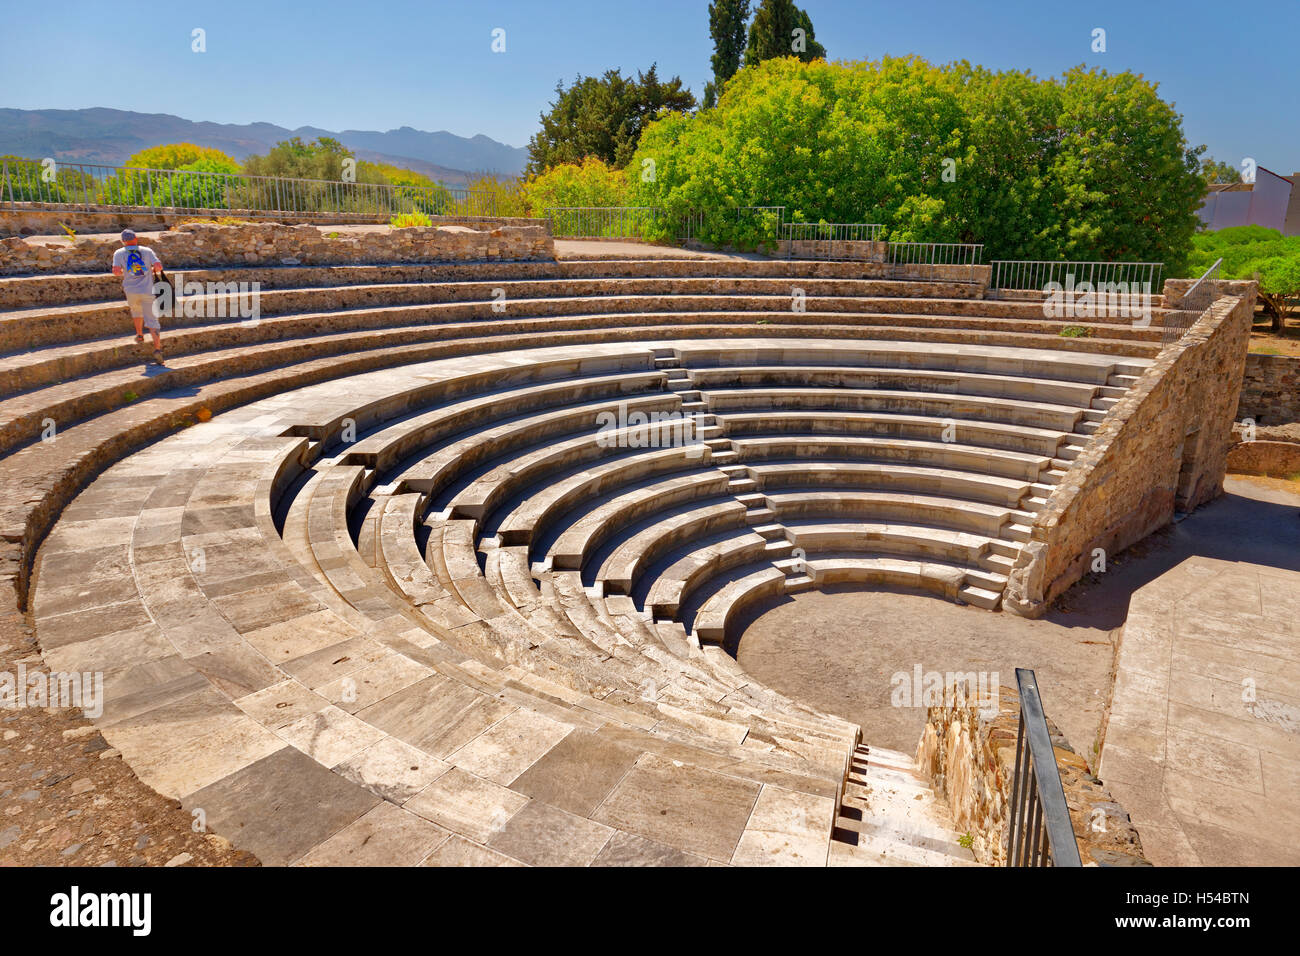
[[1032, 168], [406, 220], [589, 183], [1253, 252], [181, 156], [488, 194], [26, 182]]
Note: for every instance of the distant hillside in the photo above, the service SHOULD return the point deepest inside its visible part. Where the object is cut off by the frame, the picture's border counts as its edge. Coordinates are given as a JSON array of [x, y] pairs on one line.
[[101, 135]]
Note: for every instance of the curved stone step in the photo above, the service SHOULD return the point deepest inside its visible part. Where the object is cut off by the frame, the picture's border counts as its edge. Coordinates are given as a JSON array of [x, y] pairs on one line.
[[580, 539], [955, 513], [723, 605], [533, 517], [520, 436], [934, 404], [908, 479], [952, 455], [664, 532], [672, 586]]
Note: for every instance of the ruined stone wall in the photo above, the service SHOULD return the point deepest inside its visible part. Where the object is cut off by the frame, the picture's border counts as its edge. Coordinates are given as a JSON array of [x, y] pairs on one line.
[[1279, 459], [1270, 392], [971, 759], [48, 219], [208, 245], [1162, 447]]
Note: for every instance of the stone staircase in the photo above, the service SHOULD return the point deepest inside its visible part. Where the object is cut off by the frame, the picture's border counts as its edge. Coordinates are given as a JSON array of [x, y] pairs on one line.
[[890, 816]]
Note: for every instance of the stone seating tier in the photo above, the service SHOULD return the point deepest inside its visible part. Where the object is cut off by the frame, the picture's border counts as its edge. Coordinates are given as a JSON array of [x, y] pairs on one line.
[[401, 557]]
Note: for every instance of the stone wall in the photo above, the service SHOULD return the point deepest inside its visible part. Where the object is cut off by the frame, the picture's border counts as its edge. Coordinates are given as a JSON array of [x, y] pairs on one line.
[[1270, 392], [48, 219], [971, 759], [1278, 459], [1161, 448], [207, 245], [866, 250]]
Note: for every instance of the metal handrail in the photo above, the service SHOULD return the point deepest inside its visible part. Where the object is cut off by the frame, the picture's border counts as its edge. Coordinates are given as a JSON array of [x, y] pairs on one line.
[[1039, 832], [1204, 292]]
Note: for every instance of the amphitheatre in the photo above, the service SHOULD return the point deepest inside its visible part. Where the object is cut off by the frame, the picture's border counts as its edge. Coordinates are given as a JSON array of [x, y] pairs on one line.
[[456, 551]]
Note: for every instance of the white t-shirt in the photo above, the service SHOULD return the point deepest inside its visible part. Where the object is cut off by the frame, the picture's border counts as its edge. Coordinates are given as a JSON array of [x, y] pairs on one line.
[[136, 263]]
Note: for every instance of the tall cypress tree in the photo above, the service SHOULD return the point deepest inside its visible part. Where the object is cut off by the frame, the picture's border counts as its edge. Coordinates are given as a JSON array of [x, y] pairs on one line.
[[727, 27], [772, 33]]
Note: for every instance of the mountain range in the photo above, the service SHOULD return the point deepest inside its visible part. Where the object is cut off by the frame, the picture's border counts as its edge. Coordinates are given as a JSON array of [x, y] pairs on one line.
[[100, 135]]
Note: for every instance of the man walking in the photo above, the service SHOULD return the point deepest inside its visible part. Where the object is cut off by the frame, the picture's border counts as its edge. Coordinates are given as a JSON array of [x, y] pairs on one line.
[[137, 265]]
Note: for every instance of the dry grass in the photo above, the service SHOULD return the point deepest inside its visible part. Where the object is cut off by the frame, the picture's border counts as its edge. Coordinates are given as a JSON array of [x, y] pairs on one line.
[[1264, 341], [1291, 483]]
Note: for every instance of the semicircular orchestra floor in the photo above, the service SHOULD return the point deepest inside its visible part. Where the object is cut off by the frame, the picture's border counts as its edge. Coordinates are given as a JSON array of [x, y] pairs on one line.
[[471, 610]]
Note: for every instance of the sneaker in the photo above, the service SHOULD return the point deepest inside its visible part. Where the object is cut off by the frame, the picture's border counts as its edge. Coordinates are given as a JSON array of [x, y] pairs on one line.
[[158, 357]]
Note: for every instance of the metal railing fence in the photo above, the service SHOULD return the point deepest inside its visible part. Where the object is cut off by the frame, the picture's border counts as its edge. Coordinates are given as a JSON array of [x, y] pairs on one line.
[[1039, 832], [96, 188], [1034, 275], [757, 223], [608, 222], [919, 259], [830, 240]]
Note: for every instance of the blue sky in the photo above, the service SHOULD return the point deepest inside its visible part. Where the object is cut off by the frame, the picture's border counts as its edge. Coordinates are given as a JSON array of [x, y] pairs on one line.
[[1229, 69]]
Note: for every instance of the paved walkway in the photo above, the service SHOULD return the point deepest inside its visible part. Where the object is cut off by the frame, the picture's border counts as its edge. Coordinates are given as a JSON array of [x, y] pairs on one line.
[[1203, 744], [627, 249]]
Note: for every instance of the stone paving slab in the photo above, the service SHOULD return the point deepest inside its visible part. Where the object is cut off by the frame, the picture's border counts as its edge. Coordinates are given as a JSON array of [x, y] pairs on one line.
[[1203, 742]]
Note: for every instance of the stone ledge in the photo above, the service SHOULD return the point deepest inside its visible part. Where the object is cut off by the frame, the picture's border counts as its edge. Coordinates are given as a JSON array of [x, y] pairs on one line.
[[48, 219], [1277, 459], [208, 245]]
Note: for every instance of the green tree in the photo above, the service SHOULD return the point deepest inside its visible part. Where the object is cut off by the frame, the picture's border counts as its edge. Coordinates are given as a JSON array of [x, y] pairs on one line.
[[773, 34], [209, 191], [25, 182], [1131, 185], [1087, 166], [727, 27], [589, 183], [325, 160], [1253, 252], [603, 117], [320, 159], [178, 155], [1217, 172]]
